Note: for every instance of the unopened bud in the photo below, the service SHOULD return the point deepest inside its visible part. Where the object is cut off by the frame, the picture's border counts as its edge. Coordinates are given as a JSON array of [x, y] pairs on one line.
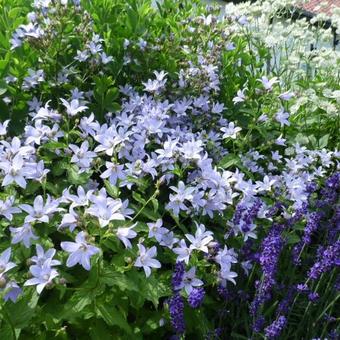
[[3, 282], [49, 285], [128, 260], [29, 262], [62, 281]]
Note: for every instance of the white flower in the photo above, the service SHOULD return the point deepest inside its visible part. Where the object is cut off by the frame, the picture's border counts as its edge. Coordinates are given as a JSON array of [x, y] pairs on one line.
[[5, 264], [70, 220], [201, 238], [6, 208], [114, 172], [105, 59], [146, 260], [177, 201], [124, 234], [43, 256], [79, 200], [74, 107], [44, 113], [14, 171], [81, 155], [286, 95], [230, 131], [191, 150], [240, 97], [183, 252], [168, 240], [226, 274], [3, 127], [268, 84], [282, 117], [266, 185], [226, 256], [39, 211], [105, 209], [280, 141]]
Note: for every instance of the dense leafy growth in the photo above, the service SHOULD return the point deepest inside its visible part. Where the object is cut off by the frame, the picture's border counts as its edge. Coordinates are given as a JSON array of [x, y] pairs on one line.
[[168, 171]]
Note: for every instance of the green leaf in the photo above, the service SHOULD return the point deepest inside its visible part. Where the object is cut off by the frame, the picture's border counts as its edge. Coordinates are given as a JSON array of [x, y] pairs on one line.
[[138, 197], [112, 316], [229, 161], [3, 64], [323, 141], [154, 289], [77, 178], [155, 204], [6, 332], [112, 189], [293, 238], [20, 313], [82, 303], [100, 331], [110, 97], [125, 282]]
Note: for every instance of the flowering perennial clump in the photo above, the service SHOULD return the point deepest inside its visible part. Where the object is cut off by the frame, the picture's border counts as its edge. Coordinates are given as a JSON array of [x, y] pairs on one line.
[[166, 183]]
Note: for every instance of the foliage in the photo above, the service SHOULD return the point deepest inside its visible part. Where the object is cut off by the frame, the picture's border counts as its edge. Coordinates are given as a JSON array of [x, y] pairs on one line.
[[167, 172]]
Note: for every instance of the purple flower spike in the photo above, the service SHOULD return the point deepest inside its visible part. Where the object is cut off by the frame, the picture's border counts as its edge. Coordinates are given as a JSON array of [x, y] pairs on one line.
[[176, 307], [274, 330], [196, 297]]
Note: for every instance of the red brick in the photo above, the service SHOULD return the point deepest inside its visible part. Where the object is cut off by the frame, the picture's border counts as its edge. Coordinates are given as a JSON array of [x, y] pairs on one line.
[[315, 7]]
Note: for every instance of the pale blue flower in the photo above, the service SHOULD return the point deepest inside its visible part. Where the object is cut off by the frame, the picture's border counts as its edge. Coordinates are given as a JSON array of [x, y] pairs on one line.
[[42, 276], [190, 281], [74, 107], [282, 117], [12, 291], [231, 131], [80, 251], [146, 259], [6, 208], [43, 256], [23, 235], [183, 252], [125, 234], [5, 264], [201, 239]]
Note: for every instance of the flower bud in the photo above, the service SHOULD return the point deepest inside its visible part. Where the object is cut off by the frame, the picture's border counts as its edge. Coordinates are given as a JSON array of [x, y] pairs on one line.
[[128, 260], [62, 281], [3, 282]]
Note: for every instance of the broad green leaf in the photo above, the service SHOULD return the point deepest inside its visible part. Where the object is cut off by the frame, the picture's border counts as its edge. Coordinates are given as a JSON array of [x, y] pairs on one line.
[[112, 316]]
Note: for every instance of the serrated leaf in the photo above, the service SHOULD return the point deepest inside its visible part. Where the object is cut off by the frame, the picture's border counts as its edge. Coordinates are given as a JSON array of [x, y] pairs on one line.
[[124, 281], [155, 289], [77, 178], [113, 317], [229, 160], [20, 314], [111, 189], [82, 303]]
